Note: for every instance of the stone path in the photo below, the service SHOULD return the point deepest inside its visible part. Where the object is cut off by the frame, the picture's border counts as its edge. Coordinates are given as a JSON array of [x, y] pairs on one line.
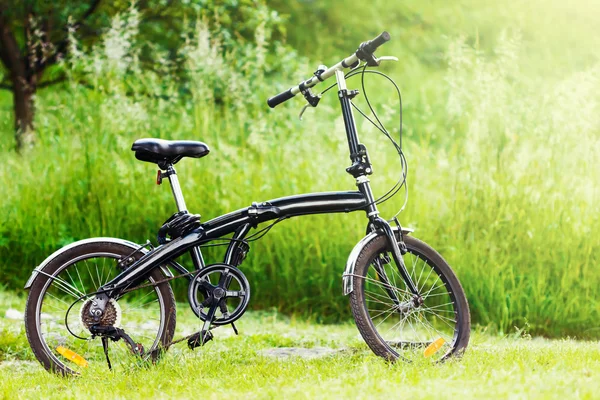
[[308, 353], [11, 313]]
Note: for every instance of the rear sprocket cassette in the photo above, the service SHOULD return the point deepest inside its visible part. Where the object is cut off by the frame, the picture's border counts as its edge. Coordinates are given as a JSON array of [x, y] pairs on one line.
[[110, 317]]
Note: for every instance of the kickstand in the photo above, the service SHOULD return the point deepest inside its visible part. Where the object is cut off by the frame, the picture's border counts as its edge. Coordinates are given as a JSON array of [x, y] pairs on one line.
[[105, 346]]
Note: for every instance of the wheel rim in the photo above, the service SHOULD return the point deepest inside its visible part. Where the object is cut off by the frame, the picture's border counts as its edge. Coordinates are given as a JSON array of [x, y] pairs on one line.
[[411, 331], [66, 339]]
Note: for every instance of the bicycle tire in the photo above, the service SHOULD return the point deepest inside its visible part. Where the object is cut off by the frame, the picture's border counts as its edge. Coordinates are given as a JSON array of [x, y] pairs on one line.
[[358, 299], [42, 283]]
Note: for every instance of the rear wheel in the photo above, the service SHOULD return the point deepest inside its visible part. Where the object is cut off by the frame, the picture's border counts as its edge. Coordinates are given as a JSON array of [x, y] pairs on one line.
[[57, 319], [392, 321]]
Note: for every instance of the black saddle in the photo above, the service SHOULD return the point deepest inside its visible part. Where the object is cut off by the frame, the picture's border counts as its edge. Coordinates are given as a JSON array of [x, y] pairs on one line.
[[165, 152]]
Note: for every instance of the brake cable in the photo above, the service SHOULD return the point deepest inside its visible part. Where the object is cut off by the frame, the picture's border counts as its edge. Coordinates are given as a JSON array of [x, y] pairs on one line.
[[402, 181]]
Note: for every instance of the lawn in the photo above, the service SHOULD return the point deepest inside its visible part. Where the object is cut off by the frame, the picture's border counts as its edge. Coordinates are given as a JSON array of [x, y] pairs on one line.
[[501, 131], [335, 364]]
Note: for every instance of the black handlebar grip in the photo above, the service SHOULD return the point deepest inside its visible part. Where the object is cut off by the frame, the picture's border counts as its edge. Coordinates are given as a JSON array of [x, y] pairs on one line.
[[280, 98], [372, 45]]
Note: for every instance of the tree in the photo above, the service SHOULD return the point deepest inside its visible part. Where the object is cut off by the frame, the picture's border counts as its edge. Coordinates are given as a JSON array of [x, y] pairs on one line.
[[34, 36]]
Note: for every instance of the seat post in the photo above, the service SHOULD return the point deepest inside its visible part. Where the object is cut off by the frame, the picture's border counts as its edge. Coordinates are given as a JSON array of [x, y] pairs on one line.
[[175, 188]]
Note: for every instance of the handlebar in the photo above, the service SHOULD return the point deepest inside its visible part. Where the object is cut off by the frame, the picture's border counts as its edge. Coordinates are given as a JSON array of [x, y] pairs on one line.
[[365, 53], [372, 45], [280, 98]]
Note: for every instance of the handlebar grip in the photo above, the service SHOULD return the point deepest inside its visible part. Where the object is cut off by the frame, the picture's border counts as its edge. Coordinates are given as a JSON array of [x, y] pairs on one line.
[[372, 45], [280, 98]]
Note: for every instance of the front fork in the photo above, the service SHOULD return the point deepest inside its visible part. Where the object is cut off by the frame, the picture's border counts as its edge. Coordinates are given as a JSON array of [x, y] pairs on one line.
[[378, 223], [381, 224]]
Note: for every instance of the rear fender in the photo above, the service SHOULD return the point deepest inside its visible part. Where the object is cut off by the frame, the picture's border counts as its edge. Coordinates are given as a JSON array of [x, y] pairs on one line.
[[131, 245], [353, 257]]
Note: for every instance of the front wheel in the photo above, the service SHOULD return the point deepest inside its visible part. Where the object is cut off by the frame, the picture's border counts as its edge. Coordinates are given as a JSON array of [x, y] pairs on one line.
[[395, 323]]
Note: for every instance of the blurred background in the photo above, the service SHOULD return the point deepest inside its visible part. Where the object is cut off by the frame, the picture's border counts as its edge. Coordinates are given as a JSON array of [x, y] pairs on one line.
[[501, 133]]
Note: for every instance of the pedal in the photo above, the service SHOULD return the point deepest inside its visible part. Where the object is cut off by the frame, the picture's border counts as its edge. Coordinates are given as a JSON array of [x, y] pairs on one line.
[[199, 339]]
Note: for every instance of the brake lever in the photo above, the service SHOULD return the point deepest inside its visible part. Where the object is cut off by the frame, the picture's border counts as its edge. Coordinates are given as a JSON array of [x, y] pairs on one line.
[[302, 111], [388, 58], [312, 100]]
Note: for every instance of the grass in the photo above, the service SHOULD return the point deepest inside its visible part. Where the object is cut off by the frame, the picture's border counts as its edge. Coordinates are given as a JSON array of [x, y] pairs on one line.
[[501, 136], [514, 366]]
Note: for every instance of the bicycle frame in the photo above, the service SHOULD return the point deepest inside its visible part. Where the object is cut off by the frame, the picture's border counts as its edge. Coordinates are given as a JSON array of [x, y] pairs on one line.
[[241, 221]]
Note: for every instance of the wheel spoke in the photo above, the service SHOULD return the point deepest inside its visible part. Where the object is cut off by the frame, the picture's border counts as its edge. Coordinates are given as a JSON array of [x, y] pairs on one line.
[[383, 320], [420, 273], [443, 319], [72, 281], [376, 300], [389, 309], [91, 275], [385, 285], [139, 306], [433, 287], [68, 289], [139, 300], [441, 305], [384, 295], [59, 299], [79, 276], [427, 323], [425, 280]]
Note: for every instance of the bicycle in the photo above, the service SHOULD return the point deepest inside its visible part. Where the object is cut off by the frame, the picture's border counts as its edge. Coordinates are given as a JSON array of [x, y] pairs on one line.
[[103, 300]]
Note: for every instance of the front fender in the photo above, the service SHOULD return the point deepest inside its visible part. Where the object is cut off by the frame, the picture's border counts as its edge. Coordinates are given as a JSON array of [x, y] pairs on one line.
[[353, 257], [57, 253]]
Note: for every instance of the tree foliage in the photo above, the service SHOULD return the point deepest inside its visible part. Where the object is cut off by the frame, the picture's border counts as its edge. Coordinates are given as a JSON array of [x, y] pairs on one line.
[[36, 35]]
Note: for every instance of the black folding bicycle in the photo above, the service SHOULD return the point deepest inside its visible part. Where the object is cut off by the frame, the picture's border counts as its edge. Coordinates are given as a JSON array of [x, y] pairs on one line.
[[107, 301]]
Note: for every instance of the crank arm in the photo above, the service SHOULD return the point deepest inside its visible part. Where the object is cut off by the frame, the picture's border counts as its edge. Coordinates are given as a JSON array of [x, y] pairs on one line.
[[210, 315]]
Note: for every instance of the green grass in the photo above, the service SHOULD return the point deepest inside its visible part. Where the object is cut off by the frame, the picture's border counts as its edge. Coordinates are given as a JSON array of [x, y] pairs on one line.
[[501, 136], [513, 366]]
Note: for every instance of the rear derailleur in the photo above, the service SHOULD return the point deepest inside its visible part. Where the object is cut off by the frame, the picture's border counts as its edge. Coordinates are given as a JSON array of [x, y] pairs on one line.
[[113, 333]]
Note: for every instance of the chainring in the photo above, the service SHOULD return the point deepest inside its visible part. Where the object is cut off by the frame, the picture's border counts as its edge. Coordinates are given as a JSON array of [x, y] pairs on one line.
[[233, 296]]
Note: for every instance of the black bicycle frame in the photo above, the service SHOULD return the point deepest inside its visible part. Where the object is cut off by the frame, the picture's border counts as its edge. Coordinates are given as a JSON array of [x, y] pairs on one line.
[[241, 221]]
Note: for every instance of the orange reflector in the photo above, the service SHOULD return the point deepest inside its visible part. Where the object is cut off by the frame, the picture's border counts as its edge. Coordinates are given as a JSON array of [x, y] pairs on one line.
[[434, 347], [72, 356]]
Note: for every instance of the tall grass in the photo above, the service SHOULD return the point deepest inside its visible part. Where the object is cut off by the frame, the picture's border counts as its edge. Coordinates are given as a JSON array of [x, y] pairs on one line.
[[503, 170]]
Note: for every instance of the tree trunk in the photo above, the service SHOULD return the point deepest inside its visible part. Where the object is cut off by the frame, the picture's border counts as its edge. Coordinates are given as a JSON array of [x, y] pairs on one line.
[[24, 81], [23, 97]]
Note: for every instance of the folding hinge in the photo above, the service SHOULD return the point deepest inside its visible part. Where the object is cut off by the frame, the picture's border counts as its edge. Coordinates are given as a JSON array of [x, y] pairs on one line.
[[256, 210]]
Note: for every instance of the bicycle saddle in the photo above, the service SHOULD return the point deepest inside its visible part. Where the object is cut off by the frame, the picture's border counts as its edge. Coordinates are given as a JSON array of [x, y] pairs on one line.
[[165, 152]]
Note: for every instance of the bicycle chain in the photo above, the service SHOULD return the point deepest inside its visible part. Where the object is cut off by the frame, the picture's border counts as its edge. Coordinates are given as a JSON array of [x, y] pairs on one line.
[[158, 282]]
